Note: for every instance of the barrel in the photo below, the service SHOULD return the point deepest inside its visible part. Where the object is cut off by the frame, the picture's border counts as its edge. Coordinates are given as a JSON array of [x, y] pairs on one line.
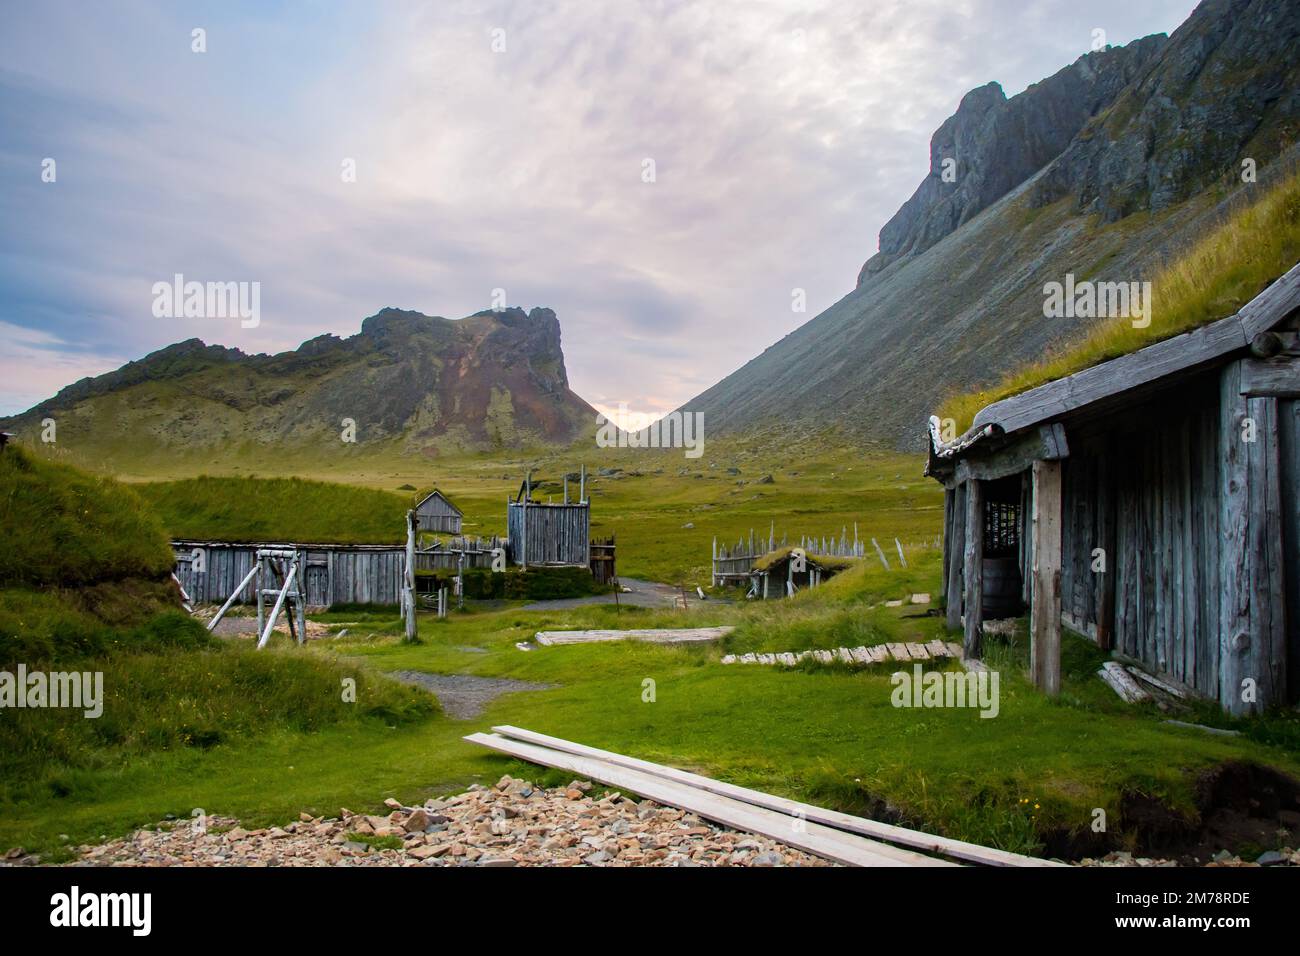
[[1002, 588]]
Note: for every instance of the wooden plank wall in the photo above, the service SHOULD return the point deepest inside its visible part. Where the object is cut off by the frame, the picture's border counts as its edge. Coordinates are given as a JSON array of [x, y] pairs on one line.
[[1148, 497], [350, 575], [557, 533], [1289, 448]]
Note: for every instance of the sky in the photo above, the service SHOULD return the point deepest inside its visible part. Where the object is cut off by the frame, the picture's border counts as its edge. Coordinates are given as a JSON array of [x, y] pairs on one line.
[[664, 175]]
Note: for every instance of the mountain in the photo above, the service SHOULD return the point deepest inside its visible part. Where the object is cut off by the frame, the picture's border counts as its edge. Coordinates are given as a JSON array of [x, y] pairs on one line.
[[416, 383], [1105, 170]]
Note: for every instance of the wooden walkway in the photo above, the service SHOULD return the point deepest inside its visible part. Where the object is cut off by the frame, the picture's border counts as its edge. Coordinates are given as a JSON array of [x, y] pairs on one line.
[[680, 635], [840, 837], [879, 654]]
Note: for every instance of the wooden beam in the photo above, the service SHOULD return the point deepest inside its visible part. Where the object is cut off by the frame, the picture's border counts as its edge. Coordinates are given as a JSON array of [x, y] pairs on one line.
[[1045, 442], [1142, 369], [956, 555], [973, 569], [1270, 378], [1045, 596], [957, 849], [823, 841]]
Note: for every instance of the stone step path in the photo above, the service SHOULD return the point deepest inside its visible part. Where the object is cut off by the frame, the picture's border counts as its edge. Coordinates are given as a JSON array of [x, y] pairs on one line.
[[931, 650]]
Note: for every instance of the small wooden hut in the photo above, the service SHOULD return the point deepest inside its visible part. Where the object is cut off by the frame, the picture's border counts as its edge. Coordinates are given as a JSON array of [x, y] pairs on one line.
[[1150, 503], [781, 572], [549, 533], [436, 513]]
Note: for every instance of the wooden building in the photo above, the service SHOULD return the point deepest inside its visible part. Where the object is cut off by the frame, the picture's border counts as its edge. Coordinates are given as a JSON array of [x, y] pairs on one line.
[[549, 533], [333, 574], [782, 572], [436, 513], [1149, 503]]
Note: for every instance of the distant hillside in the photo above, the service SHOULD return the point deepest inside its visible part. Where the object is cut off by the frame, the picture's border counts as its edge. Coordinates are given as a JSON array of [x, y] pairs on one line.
[[413, 383], [1105, 170]]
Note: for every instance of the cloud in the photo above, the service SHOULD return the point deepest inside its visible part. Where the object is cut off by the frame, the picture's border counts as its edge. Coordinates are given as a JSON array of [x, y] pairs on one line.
[[782, 139]]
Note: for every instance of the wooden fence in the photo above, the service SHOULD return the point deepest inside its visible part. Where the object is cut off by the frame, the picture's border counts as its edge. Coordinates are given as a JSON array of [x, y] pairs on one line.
[[333, 573], [732, 565]]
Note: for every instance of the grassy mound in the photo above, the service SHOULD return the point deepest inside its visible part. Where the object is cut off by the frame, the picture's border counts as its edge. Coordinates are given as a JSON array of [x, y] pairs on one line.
[[1212, 280], [85, 587], [277, 509], [63, 527]]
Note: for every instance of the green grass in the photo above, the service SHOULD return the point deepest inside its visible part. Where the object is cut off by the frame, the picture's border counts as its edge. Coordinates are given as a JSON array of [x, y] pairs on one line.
[[828, 734], [227, 508], [63, 526], [262, 736], [1211, 280]]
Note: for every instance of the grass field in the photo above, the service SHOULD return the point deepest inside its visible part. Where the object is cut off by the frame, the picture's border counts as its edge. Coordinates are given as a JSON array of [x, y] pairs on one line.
[[1028, 779], [265, 735]]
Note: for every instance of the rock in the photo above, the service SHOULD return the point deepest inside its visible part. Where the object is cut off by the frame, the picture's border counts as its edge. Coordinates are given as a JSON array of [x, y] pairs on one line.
[[418, 820], [392, 804], [1271, 858]]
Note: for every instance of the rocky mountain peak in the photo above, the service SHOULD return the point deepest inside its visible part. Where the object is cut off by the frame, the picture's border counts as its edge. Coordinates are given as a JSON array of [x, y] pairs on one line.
[[992, 144]]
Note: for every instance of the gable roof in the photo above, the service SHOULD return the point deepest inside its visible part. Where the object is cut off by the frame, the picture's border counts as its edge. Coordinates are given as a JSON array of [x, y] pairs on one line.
[[445, 500], [1120, 380]]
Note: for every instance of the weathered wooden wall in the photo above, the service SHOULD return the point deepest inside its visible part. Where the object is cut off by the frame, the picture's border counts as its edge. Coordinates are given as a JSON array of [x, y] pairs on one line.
[[1289, 450], [334, 574], [549, 533], [437, 514]]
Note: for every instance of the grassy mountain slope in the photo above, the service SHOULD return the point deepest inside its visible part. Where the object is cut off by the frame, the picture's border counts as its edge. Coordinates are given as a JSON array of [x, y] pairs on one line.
[[410, 384], [953, 302], [1222, 272]]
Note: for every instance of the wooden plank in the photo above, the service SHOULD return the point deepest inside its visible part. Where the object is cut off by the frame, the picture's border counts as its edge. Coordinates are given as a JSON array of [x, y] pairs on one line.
[[824, 841], [972, 569], [1045, 603], [958, 849], [1271, 378], [918, 652], [1122, 683], [898, 652], [1047, 442], [1136, 371], [652, 635]]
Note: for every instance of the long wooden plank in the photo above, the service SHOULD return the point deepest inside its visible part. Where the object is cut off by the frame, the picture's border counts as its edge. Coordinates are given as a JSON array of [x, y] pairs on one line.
[[823, 841], [958, 849], [653, 635], [1135, 371]]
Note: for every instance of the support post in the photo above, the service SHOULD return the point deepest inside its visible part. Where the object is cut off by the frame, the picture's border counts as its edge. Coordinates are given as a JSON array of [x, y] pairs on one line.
[[408, 592], [1045, 598], [973, 570], [956, 555]]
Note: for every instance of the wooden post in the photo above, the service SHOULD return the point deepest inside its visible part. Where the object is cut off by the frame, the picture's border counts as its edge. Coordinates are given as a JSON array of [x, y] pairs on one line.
[[408, 592], [300, 559], [956, 554], [1045, 598], [973, 570], [1252, 665]]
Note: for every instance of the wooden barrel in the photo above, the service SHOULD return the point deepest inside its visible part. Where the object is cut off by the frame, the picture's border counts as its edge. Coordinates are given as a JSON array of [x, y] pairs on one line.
[[1001, 589]]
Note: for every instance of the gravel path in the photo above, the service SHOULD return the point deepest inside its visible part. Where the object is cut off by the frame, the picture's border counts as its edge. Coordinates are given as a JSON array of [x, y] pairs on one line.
[[462, 696]]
